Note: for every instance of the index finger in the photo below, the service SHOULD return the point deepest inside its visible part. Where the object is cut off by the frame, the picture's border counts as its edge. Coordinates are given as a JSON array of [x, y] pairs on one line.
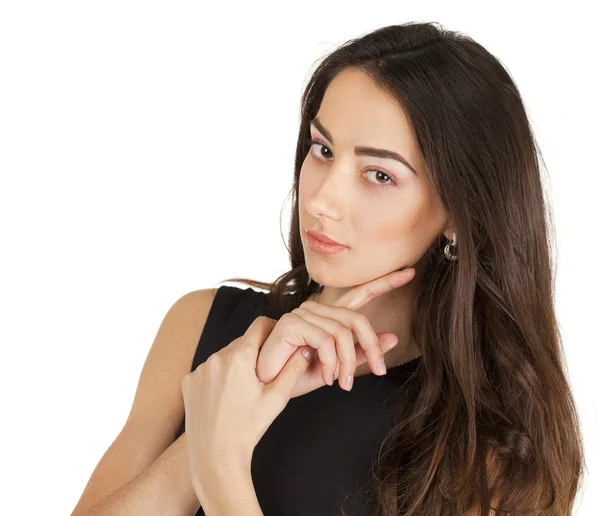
[[362, 294]]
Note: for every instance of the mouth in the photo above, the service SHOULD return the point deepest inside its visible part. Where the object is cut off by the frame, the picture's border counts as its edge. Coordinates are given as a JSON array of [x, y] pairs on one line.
[[320, 246], [323, 238]]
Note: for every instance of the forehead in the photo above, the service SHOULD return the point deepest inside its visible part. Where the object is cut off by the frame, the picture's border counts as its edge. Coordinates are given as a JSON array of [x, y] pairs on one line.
[[357, 112]]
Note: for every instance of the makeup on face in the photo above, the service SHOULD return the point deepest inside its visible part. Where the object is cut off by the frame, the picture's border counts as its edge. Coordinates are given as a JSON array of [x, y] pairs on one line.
[[323, 247]]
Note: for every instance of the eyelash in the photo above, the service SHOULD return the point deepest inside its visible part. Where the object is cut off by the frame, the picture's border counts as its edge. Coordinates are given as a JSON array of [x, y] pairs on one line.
[[311, 142]]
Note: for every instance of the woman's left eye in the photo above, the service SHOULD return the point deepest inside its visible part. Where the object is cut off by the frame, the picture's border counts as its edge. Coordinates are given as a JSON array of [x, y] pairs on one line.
[[391, 181]]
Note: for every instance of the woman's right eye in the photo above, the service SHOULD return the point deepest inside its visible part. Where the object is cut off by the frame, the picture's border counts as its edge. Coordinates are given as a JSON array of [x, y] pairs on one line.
[[312, 143]]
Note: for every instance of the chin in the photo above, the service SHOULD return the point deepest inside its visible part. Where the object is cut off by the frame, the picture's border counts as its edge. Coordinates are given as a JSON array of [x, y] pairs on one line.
[[328, 281]]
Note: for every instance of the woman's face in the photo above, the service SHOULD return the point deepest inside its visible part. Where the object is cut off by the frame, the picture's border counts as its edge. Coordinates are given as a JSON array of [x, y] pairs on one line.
[[386, 213]]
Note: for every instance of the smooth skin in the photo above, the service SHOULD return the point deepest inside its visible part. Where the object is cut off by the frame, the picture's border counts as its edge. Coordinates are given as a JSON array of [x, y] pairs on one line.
[[341, 195], [386, 212], [330, 329], [145, 470], [228, 409]]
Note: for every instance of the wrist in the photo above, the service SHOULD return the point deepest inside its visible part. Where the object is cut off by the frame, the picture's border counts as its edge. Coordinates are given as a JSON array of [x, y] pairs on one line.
[[219, 471], [227, 489]]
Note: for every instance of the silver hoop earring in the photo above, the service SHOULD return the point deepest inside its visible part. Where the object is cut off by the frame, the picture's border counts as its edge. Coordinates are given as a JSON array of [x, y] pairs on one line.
[[447, 252]]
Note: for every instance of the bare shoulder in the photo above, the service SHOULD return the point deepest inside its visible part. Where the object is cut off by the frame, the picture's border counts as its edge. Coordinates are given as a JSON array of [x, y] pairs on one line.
[[157, 409], [172, 352], [180, 330]]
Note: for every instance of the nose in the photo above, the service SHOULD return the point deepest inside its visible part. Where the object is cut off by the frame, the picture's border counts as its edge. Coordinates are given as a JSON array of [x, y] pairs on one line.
[[329, 197]]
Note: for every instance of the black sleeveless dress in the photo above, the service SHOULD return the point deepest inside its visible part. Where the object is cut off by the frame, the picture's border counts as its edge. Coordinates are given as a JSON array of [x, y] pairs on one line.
[[317, 455]]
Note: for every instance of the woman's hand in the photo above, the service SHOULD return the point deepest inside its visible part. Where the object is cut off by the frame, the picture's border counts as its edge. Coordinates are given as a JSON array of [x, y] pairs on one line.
[[330, 330], [228, 409]]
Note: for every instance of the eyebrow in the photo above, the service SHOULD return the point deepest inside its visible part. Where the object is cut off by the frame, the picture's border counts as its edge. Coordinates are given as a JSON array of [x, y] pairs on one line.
[[365, 151]]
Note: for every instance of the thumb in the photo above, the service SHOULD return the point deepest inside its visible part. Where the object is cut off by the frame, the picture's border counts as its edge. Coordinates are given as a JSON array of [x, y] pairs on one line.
[[292, 371]]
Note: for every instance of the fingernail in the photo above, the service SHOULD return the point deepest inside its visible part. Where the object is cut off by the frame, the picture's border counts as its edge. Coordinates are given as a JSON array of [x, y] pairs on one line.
[[307, 353], [332, 379], [381, 366], [349, 381]]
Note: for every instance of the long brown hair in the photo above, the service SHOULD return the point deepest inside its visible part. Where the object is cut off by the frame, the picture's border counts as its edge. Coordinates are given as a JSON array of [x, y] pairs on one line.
[[491, 421]]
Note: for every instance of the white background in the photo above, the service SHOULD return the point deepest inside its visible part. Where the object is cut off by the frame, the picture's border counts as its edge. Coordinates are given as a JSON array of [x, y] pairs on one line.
[[146, 150]]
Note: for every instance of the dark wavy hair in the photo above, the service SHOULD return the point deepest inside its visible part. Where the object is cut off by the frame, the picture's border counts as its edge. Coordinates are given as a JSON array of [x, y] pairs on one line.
[[491, 422]]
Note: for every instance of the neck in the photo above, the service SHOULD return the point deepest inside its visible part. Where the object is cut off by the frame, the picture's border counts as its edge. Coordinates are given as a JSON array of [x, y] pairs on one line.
[[391, 312]]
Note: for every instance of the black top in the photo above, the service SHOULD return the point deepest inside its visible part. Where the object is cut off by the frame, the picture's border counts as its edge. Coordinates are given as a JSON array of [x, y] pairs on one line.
[[319, 451]]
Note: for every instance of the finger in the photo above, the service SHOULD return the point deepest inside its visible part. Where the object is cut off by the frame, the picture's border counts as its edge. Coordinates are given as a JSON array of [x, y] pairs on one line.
[[256, 334], [312, 379], [344, 343], [388, 341], [291, 373], [359, 326], [362, 294], [297, 332]]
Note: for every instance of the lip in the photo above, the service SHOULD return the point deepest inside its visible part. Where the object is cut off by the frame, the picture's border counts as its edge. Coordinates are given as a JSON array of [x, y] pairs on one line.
[[323, 238], [322, 247]]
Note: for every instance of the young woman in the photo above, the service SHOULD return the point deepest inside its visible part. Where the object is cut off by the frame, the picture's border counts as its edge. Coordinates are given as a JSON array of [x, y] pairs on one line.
[[416, 157]]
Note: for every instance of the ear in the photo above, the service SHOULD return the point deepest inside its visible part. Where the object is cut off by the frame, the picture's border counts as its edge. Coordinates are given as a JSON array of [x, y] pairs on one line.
[[448, 234], [449, 228]]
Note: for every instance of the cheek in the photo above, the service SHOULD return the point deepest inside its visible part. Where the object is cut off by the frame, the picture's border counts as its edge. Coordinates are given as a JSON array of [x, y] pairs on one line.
[[424, 215], [308, 184], [409, 221]]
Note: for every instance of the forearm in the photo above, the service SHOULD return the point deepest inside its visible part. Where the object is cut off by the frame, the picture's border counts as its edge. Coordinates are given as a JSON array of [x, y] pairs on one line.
[[229, 492], [164, 488]]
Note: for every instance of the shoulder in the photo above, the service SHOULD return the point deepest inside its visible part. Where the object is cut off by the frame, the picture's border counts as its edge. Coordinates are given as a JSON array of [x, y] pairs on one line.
[[211, 318], [189, 312], [196, 302], [175, 344], [207, 319]]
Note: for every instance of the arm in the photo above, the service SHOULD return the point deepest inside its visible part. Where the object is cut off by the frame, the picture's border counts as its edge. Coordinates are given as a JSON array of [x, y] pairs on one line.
[[143, 467], [164, 488], [230, 492]]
